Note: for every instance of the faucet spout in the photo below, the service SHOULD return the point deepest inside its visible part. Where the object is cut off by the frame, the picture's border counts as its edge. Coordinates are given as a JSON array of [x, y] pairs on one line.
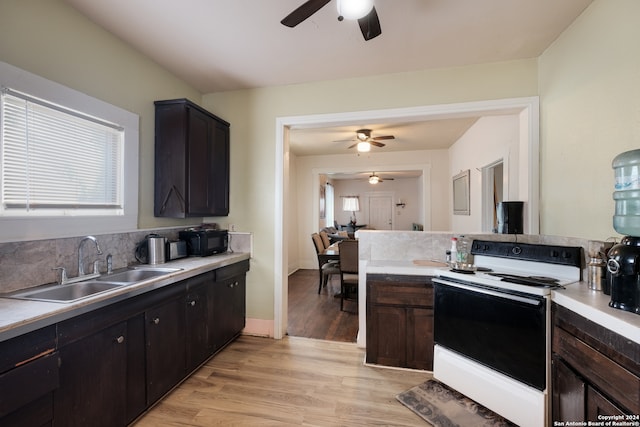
[[81, 255]]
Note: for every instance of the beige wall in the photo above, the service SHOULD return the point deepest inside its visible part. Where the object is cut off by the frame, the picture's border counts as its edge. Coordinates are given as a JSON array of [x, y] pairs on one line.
[[587, 82], [52, 40], [253, 114], [590, 112]]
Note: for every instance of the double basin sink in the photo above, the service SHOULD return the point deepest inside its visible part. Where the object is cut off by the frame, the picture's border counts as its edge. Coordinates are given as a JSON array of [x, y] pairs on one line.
[[74, 291]]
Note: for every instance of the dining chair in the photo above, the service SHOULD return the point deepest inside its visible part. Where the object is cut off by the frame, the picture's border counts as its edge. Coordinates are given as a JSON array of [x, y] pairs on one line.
[[325, 269], [326, 242], [348, 272]]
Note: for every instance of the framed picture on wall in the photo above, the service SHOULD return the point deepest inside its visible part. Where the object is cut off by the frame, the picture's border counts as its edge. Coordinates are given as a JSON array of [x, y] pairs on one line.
[[323, 202], [461, 194]]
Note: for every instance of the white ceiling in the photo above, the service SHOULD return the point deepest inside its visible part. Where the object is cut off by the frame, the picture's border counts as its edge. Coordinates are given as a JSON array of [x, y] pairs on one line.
[[222, 45]]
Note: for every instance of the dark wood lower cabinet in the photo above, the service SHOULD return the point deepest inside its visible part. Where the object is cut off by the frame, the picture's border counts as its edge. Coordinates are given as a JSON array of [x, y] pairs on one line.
[[228, 314], [29, 375], [198, 327], [400, 321], [595, 371], [165, 336], [93, 374], [107, 366]]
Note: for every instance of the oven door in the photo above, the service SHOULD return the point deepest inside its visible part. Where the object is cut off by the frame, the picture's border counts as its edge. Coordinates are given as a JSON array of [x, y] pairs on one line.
[[502, 330]]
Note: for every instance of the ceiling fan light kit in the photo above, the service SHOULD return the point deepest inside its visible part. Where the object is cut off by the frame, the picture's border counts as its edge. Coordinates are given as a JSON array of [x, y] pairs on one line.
[[361, 10], [364, 147], [374, 179], [354, 9]]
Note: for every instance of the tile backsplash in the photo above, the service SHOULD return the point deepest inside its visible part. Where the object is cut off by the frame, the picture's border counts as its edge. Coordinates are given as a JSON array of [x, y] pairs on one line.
[[31, 263]]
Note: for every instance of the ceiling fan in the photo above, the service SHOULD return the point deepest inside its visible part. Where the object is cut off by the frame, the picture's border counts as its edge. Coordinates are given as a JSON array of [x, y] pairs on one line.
[[364, 141], [362, 10], [374, 179]]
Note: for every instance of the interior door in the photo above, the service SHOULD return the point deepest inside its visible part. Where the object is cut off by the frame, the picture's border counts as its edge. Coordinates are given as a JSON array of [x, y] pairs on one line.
[[380, 213]]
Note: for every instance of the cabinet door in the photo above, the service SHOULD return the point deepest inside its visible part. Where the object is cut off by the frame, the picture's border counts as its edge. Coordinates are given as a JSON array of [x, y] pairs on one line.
[[228, 314], [219, 171], [199, 162], [198, 345], [400, 321], [568, 392], [386, 335], [598, 405], [420, 338], [191, 161], [93, 375], [165, 327]]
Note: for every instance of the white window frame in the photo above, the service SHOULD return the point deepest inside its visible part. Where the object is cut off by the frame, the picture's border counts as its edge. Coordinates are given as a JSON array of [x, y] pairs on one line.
[[47, 227]]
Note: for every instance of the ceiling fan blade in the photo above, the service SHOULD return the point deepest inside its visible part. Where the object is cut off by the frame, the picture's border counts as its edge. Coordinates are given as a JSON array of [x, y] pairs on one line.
[[376, 143], [351, 146], [370, 25], [303, 12], [384, 137]]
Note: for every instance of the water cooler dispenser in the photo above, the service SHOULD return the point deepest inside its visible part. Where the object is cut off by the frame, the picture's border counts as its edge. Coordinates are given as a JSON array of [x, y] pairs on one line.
[[623, 259]]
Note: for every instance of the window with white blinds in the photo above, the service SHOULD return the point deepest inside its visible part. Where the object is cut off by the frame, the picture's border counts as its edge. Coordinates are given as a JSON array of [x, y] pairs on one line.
[[56, 161]]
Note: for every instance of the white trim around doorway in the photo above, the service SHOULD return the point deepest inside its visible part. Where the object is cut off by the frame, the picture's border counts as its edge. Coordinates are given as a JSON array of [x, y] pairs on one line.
[[529, 106]]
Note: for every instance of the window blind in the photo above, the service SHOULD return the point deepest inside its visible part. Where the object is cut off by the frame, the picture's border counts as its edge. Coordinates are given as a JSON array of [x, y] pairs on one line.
[[57, 159]]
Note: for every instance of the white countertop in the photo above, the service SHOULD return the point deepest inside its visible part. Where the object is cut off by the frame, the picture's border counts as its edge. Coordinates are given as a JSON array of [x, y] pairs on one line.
[[577, 297], [594, 306], [403, 267], [18, 317]]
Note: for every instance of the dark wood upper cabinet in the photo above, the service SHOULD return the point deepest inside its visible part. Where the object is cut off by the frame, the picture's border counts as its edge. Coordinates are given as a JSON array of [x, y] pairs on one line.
[[191, 161]]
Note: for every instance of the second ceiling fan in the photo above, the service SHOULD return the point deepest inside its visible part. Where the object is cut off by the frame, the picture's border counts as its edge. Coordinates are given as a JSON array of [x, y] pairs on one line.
[[364, 140], [362, 10]]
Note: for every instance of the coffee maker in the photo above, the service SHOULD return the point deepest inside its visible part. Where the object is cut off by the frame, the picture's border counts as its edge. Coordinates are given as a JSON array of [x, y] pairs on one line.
[[623, 274]]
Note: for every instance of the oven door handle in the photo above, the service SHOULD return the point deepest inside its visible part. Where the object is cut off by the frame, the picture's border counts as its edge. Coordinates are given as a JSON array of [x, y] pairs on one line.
[[486, 291]]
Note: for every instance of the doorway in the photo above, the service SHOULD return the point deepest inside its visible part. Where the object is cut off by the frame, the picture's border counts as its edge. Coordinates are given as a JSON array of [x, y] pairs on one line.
[[494, 187], [380, 212], [528, 171]]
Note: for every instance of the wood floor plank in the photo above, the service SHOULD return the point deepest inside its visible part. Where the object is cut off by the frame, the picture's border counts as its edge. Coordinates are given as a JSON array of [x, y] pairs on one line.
[[294, 381], [314, 315]]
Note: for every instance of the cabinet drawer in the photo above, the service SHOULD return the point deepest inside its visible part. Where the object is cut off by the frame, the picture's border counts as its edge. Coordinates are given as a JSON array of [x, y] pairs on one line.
[[233, 270], [621, 385], [17, 350], [27, 383], [419, 295]]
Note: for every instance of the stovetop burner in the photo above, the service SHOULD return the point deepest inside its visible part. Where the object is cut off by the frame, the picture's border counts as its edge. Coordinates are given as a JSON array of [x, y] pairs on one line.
[[528, 280]]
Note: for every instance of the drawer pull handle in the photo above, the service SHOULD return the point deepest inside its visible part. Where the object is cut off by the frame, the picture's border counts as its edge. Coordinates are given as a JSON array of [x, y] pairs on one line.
[[120, 339], [156, 320], [192, 303]]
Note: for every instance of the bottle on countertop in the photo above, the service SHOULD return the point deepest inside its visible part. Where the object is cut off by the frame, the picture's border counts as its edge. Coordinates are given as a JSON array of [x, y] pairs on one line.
[[454, 249], [463, 250]]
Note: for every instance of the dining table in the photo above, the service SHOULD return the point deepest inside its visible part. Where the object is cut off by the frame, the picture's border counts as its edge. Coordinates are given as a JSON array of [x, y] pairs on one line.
[[331, 253]]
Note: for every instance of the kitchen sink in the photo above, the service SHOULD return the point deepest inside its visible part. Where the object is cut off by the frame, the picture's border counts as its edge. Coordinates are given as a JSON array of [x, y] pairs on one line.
[[136, 274], [74, 291], [66, 293]]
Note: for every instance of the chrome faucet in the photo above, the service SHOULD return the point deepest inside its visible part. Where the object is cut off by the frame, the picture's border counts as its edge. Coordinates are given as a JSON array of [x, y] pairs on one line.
[[80, 254]]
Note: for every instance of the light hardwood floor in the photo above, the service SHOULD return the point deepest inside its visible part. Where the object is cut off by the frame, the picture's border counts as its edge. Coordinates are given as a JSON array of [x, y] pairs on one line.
[[294, 381]]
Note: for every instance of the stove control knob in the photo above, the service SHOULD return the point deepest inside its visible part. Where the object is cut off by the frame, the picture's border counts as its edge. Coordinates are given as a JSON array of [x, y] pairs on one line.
[[517, 250], [554, 253]]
